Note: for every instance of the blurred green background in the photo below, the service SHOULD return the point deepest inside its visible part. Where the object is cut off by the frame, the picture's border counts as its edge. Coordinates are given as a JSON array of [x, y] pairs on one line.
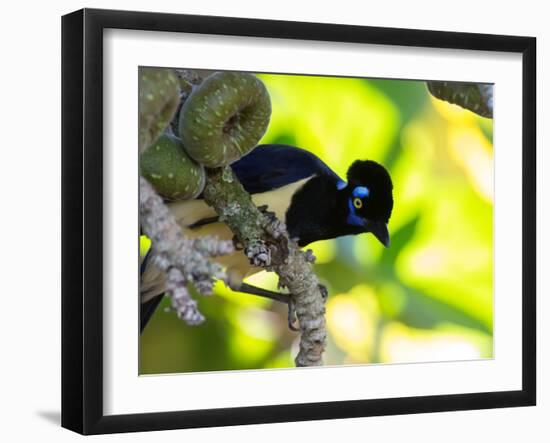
[[429, 297]]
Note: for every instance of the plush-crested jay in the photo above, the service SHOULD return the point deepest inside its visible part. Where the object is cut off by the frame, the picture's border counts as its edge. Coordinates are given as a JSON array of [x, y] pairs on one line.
[[312, 200]]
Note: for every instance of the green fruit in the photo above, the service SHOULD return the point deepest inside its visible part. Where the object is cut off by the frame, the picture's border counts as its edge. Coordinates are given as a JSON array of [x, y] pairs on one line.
[[169, 169], [224, 118], [159, 96], [476, 97], [189, 79]]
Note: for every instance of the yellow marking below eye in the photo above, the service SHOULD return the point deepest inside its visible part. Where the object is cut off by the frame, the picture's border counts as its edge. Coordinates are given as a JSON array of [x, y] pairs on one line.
[[358, 203]]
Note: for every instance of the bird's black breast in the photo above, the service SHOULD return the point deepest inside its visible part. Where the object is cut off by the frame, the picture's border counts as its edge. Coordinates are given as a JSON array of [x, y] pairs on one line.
[[317, 212]]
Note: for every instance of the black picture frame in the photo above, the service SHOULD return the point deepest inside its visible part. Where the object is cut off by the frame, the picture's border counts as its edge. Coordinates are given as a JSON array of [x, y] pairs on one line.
[[82, 220]]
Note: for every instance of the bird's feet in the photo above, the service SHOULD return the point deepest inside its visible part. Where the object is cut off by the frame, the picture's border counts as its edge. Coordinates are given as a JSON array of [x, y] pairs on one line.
[[272, 225], [292, 318], [293, 323], [324, 292], [265, 211], [272, 295]]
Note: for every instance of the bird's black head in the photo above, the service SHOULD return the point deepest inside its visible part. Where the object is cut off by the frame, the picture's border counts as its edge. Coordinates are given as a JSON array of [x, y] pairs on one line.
[[369, 198]]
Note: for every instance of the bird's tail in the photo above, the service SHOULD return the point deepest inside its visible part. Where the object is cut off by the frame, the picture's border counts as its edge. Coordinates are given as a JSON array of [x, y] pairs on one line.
[[151, 290]]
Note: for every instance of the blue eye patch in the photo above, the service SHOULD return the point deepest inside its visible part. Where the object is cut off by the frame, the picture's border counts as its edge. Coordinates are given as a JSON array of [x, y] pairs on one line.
[[353, 218], [361, 192]]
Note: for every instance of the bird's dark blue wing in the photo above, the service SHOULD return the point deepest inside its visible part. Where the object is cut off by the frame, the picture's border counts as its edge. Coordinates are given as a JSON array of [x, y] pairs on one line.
[[269, 167]]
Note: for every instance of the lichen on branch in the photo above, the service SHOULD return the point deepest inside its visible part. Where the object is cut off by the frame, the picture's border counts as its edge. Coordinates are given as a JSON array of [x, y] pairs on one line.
[[183, 260]]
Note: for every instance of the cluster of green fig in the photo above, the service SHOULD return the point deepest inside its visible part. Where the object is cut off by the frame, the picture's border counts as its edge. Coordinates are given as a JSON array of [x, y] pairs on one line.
[[221, 120], [476, 97]]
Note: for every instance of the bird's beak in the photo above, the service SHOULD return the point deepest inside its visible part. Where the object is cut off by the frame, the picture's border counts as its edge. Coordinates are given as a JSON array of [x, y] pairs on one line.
[[380, 230]]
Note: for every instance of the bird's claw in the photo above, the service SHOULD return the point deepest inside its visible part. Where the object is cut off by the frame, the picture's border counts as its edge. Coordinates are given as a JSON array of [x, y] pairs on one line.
[[293, 323], [271, 223], [292, 319], [264, 210], [309, 256], [237, 243], [324, 292], [272, 217]]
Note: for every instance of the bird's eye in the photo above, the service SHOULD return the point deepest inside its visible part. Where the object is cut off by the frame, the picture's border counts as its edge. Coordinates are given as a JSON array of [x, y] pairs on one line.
[[358, 203]]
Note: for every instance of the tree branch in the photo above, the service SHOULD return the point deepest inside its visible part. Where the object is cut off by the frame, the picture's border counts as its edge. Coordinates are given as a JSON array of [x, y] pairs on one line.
[[183, 260], [266, 243]]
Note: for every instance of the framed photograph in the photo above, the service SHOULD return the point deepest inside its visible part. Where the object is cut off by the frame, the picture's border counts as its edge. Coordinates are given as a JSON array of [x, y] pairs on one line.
[[269, 221]]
